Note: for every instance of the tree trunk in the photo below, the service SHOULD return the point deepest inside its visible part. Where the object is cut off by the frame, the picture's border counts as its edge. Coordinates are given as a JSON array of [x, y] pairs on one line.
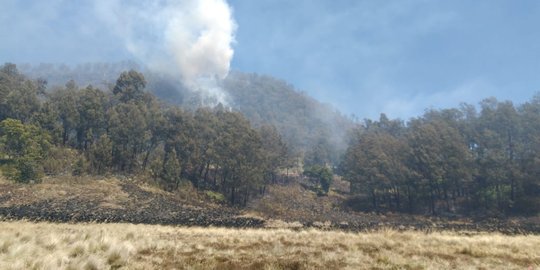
[[64, 136], [398, 199], [206, 172], [147, 155]]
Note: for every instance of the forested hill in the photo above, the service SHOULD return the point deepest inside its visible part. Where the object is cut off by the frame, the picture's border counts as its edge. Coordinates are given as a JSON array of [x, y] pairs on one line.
[[305, 123], [451, 161], [128, 131], [309, 127]]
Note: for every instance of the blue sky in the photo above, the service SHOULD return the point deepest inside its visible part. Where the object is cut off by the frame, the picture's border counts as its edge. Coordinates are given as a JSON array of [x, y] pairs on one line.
[[364, 57], [399, 57]]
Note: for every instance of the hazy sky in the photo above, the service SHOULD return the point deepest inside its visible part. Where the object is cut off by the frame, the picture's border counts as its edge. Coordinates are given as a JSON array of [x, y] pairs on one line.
[[398, 57], [365, 57]]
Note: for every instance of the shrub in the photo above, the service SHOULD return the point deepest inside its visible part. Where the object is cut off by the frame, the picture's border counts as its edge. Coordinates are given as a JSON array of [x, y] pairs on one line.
[[80, 166], [59, 161], [25, 146], [322, 174], [215, 196]]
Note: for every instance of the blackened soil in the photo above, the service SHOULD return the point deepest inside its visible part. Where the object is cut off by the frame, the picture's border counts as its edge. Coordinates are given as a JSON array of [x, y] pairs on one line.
[[146, 207], [142, 207]]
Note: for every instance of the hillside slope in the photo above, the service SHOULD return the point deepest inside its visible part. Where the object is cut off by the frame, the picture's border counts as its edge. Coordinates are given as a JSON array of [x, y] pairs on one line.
[[304, 122]]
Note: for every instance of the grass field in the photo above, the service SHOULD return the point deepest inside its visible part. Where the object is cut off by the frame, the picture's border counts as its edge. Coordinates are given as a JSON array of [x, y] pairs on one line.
[[26, 245]]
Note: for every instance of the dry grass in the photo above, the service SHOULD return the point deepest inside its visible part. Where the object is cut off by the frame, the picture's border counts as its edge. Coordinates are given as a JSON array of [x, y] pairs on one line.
[[25, 245]]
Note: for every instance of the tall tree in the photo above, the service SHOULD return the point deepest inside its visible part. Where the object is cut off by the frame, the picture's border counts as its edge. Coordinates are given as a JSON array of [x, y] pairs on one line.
[[64, 101], [130, 86], [92, 107], [129, 135], [19, 97], [25, 145]]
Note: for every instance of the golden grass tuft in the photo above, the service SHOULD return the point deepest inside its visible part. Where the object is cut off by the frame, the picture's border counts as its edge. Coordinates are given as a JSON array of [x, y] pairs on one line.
[[25, 245]]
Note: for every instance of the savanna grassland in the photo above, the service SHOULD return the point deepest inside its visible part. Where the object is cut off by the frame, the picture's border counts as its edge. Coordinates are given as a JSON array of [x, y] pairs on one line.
[[26, 245]]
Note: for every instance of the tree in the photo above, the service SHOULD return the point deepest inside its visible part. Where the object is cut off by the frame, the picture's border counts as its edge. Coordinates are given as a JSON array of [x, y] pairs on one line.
[[100, 154], [375, 165], [439, 157], [64, 101], [170, 173], [319, 154], [206, 124], [25, 145], [499, 155], [322, 175], [275, 150], [528, 192], [180, 136], [18, 95], [240, 157], [92, 107], [129, 134], [130, 86]]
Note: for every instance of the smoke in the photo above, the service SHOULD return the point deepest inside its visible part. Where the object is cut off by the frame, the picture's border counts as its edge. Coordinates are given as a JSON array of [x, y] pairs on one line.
[[188, 40]]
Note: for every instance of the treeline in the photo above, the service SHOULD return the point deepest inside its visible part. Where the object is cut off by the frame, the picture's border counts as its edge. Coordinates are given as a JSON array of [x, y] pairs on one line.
[[129, 131], [448, 161]]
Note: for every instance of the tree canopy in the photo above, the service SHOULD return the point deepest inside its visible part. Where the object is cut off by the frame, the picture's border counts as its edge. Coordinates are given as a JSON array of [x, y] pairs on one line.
[[450, 161]]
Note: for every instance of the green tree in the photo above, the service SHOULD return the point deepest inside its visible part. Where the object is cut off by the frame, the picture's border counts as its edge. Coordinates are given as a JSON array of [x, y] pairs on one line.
[[19, 97], [206, 124], [319, 154], [25, 145], [92, 123], [170, 173], [275, 151], [130, 86], [179, 134], [499, 153], [129, 134], [240, 158], [440, 157], [322, 175], [528, 191], [100, 154], [376, 165], [65, 102]]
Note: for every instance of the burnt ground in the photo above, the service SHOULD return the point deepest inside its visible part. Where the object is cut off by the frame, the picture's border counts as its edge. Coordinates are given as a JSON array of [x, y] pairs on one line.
[[291, 206], [122, 202], [297, 204]]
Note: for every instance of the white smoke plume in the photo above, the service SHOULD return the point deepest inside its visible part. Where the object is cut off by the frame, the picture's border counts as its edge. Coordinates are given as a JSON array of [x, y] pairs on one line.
[[186, 39]]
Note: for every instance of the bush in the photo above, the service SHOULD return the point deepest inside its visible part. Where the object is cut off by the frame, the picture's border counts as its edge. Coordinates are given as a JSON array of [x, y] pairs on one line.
[[25, 146], [59, 161], [22, 170], [80, 167], [322, 174], [215, 196]]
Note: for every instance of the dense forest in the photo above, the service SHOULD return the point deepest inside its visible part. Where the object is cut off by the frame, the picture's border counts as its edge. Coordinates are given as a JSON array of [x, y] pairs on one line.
[[129, 131], [311, 129], [481, 160], [450, 161]]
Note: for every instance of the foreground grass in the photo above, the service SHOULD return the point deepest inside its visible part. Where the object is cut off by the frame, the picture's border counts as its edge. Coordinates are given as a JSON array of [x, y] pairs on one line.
[[25, 245]]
